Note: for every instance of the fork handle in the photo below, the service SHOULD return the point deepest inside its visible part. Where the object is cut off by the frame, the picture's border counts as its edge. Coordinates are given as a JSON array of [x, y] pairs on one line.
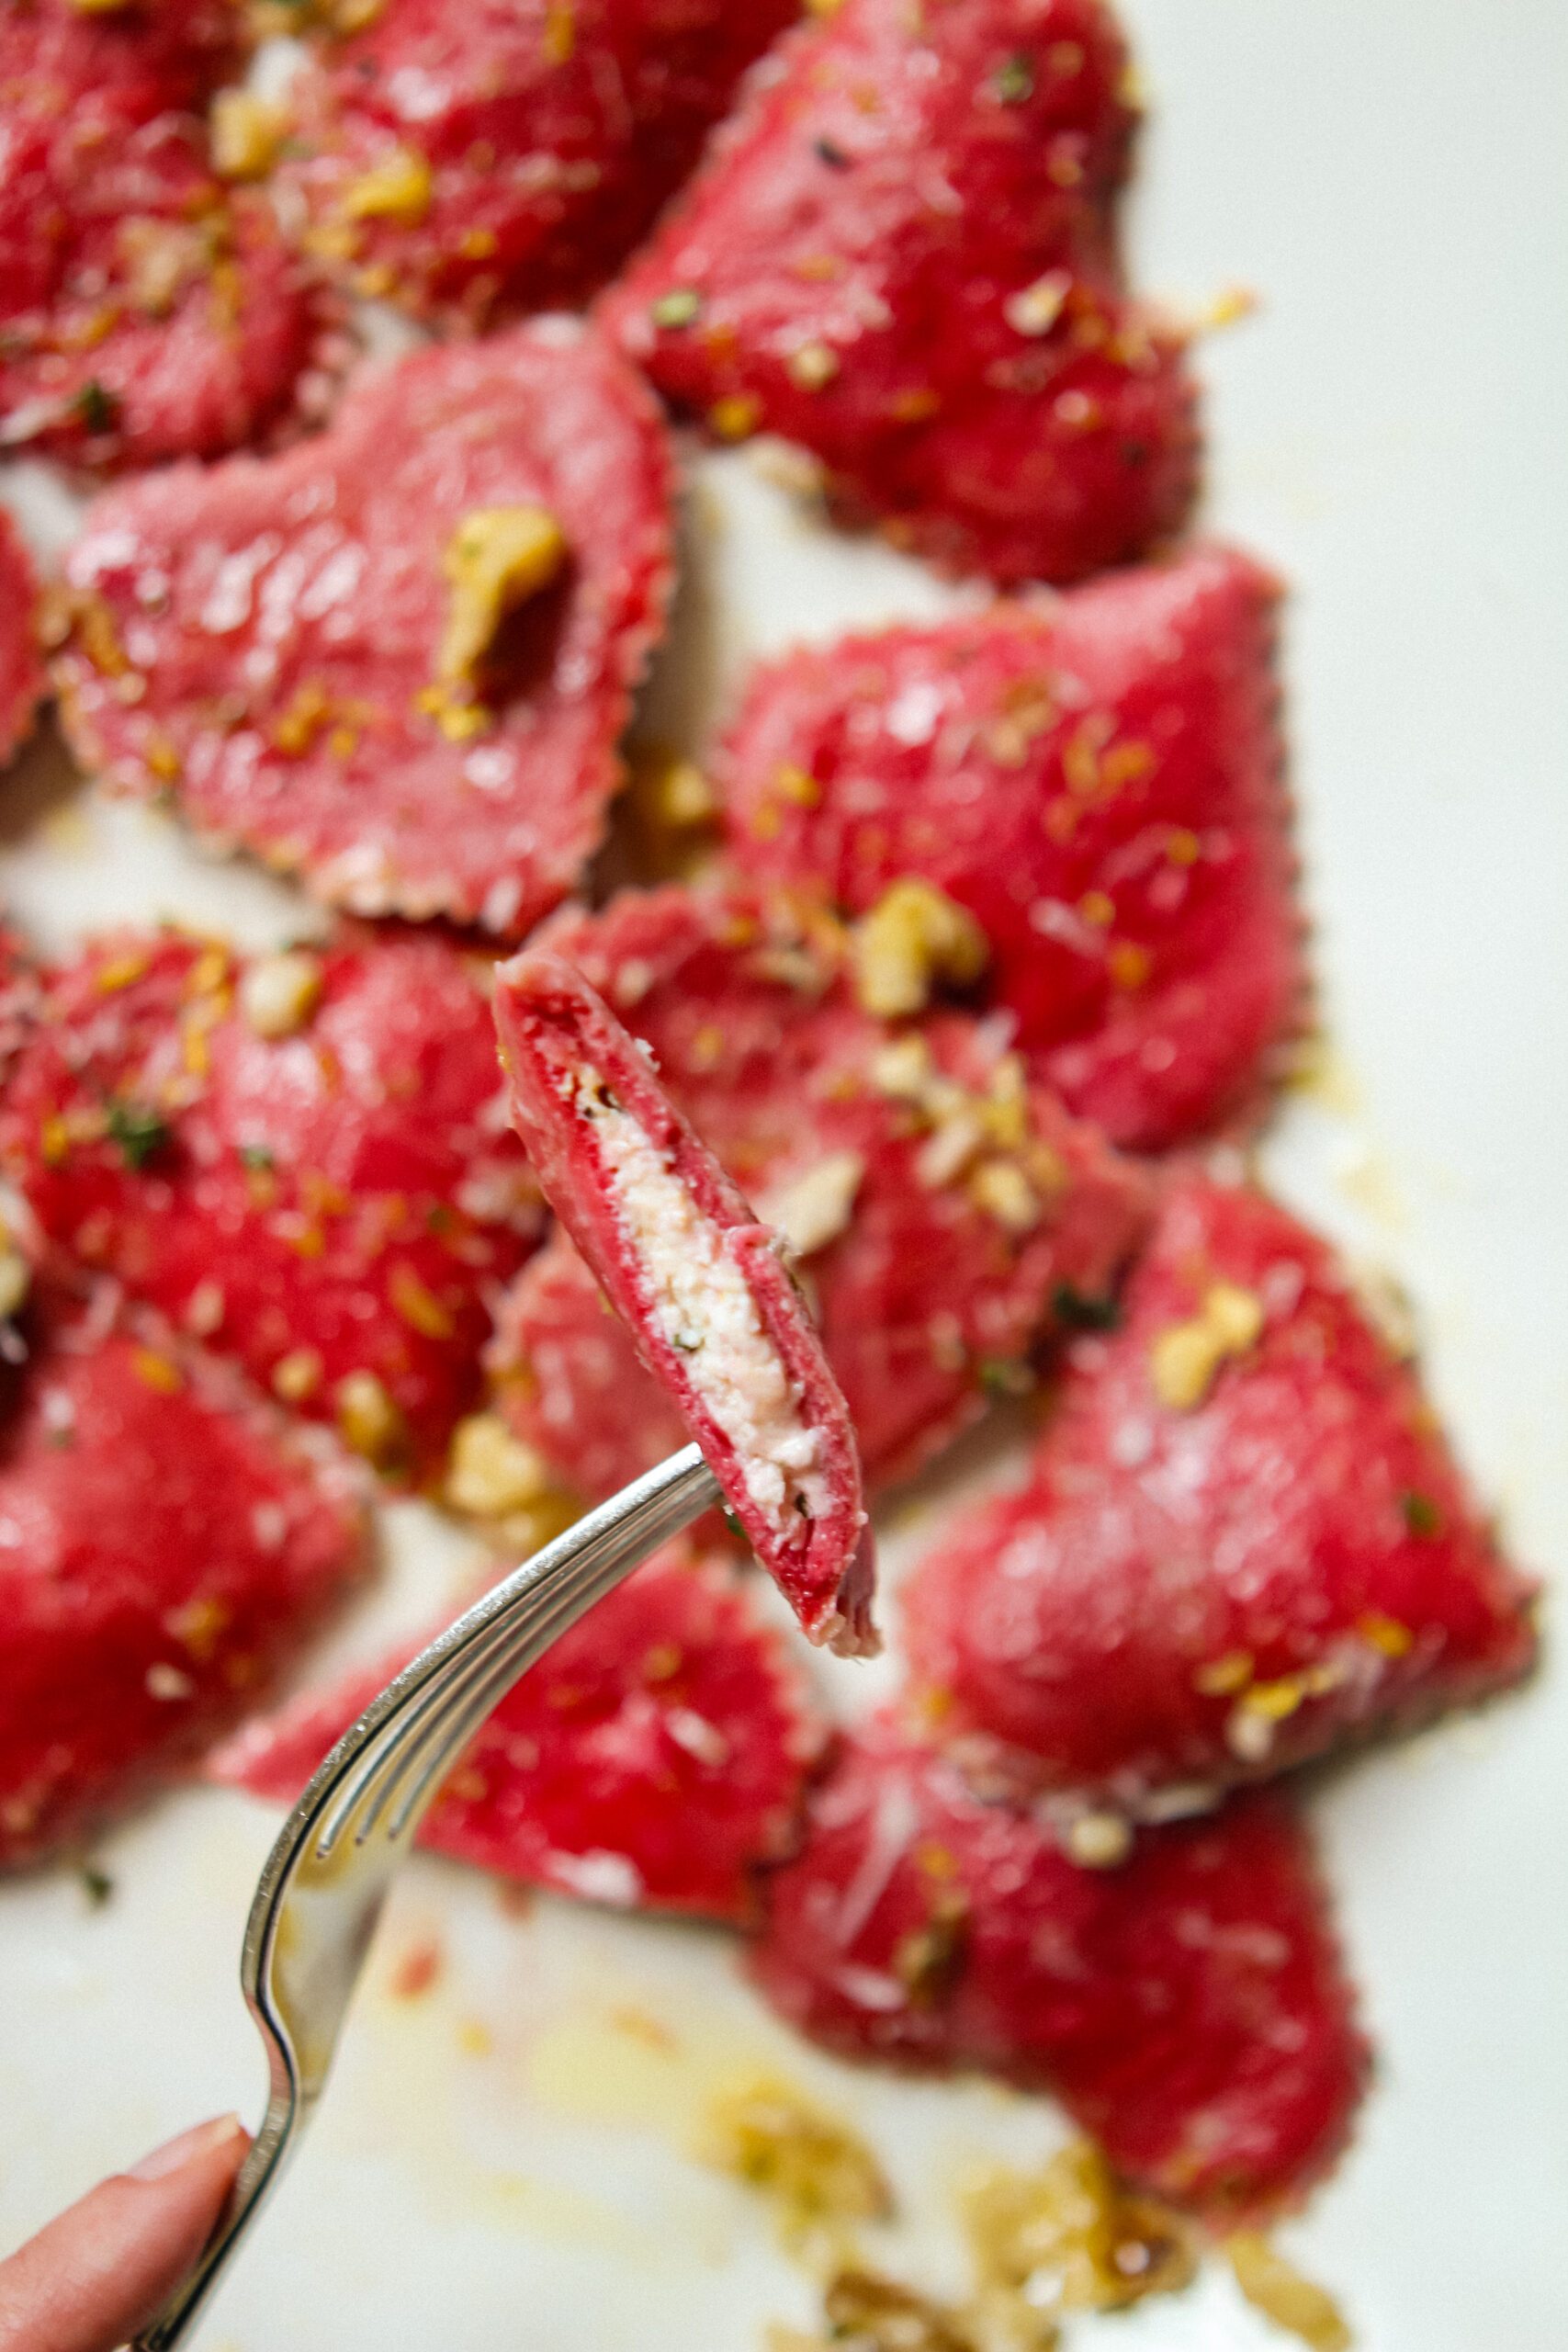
[[590, 1560], [258, 2174]]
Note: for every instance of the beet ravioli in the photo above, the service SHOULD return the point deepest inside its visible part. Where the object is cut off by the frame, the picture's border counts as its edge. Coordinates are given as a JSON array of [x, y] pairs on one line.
[[1243, 1540], [701, 1286], [397, 659], [21, 663], [506, 157], [165, 1541], [945, 1215], [654, 1759], [1188, 2005], [903, 256], [147, 311], [1097, 784], [301, 1158]]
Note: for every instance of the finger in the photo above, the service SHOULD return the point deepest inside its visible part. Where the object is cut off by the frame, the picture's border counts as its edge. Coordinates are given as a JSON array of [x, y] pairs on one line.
[[103, 2269]]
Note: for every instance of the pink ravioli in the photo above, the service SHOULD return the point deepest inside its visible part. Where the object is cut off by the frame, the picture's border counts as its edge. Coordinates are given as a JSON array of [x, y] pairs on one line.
[[1098, 781], [1189, 2007], [165, 1542], [656, 1757], [882, 1147], [508, 156], [271, 641], [701, 1286], [21, 664], [303, 1159], [147, 311], [1232, 1553], [903, 256]]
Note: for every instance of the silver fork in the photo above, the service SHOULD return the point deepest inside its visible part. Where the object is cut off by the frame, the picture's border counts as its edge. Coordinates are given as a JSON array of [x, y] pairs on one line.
[[325, 1880]]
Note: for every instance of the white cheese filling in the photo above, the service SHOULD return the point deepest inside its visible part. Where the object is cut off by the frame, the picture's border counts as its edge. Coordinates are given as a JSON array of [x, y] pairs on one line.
[[702, 1307]]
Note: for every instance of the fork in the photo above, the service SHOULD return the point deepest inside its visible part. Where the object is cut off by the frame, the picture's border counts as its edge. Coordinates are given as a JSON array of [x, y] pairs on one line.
[[324, 1884]]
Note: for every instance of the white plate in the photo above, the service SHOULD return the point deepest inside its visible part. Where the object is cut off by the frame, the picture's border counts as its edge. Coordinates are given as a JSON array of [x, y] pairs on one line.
[[500, 2163]]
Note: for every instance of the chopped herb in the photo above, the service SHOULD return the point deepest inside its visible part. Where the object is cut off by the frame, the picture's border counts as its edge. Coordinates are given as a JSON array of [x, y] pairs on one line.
[[678, 308], [1081, 1312], [832, 154], [1002, 1376], [733, 1524], [97, 408], [96, 1885], [1014, 81], [1420, 1513], [686, 1345], [138, 1131], [258, 1155]]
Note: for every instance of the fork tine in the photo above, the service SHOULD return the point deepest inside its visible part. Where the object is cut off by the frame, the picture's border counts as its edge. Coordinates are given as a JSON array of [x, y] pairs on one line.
[[475, 1693]]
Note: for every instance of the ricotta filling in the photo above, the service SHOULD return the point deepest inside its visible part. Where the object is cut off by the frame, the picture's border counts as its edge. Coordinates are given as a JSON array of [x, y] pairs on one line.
[[702, 1307]]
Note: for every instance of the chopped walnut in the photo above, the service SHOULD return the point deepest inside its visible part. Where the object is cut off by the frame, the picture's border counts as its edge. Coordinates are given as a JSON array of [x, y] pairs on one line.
[[812, 366], [672, 806], [1098, 1842], [813, 1209], [162, 258], [369, 1418], [296, 1375], [397, 189], [496, 560], [1002, 1190], [246, 135], [902, 1070], [1035, 309], [1185, 1358], [915, 936], [279, 993], [496, 1477]]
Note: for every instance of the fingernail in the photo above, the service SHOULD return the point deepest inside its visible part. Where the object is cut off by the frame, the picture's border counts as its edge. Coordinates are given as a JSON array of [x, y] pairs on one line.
[[176, 2152]]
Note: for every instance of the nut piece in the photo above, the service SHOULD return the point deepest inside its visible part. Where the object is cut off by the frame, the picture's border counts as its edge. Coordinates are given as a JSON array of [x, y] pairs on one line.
[[1098, 1842], [296, 1375], [813, 1209], [246, 135], [672, 805], [1002, 1190], [397, 189], [813, 365], [15, 1280], [1036, 308], [492, 1471], [371, 1421], [913, 937], [497, 557], [1185, 1359], [279, 993], [672, 791], [494, 1476]]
